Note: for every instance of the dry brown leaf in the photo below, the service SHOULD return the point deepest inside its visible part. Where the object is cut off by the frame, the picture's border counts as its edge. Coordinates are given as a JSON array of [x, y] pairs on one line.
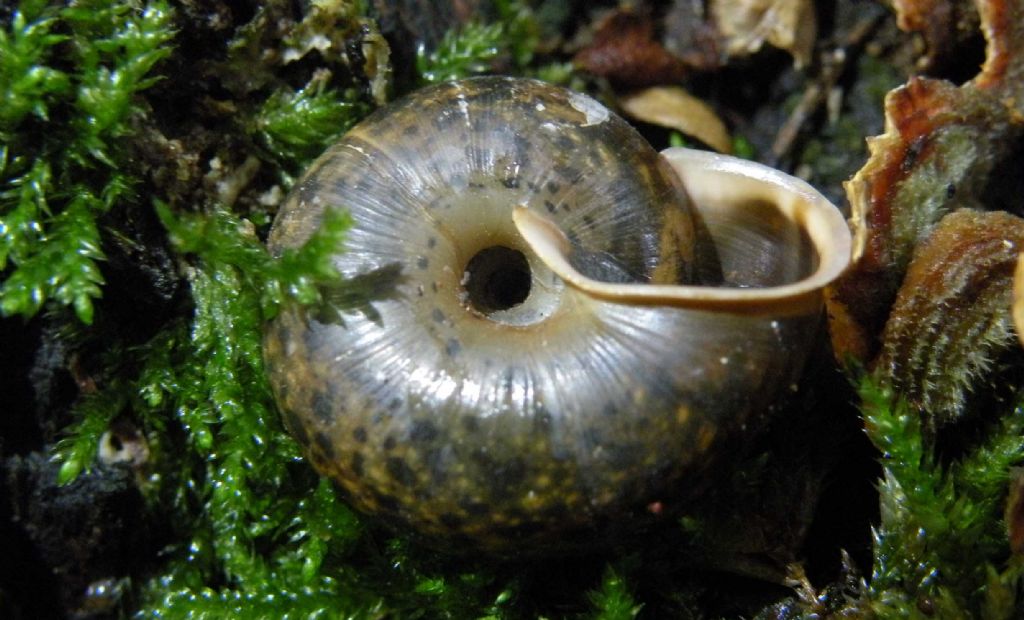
[[746, 25], [674, 108], [625, 52]]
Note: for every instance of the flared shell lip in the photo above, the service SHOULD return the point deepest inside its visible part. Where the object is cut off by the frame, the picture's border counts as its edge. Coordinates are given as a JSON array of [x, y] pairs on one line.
[[720, 183]]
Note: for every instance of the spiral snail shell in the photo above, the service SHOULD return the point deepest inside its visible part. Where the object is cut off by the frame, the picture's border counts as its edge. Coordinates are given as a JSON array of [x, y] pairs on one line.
[[554, 334]]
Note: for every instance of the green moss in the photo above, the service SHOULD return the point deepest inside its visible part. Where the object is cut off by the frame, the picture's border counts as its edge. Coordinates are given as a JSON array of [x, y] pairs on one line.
[[230, 479], [297, 126], [941, 539], [477, 48], [461, 54], [613, 601], [88, 61]]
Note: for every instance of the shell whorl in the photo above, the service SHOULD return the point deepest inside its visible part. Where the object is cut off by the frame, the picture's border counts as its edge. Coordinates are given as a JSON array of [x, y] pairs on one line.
[[446, 403]]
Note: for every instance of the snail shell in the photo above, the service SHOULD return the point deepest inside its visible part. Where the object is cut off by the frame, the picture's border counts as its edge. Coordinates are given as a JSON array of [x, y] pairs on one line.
[[538, 355]]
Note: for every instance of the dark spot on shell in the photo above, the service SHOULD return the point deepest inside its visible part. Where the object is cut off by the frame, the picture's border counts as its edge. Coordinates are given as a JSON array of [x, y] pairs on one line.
[[400, 471], [510, 473], [356, 464], [477, 509], [470, 423], [395, 404], [387, 502], [550, 206], [571, 174], [435, 461], [431, 242], [422, 262], [390, 443], [322, 408], [283, 335], [359, 434], [556, 512], [542, 421], [437, 315], [552, 187], [521, 530], [423, 430], [433, 286], [523, 144], [565, 143], [411, 130], [452, 347], [593, 436], [511, 182], [326, 446], [282, 389], [451, 521], [459, 540], [318, 461], [295, 426], [508, 379]]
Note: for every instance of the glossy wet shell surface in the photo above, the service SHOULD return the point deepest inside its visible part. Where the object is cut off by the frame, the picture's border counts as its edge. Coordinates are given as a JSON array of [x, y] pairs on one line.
[[546, 421]]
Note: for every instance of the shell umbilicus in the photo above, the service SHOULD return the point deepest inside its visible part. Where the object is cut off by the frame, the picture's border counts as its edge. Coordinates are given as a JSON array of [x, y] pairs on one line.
[[560, 333]]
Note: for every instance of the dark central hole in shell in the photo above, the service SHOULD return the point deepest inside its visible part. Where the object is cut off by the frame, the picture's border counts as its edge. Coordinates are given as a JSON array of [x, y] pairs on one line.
[[498, 279]]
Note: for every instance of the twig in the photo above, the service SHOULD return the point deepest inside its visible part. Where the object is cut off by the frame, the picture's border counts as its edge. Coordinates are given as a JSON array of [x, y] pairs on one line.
[[833, 65]]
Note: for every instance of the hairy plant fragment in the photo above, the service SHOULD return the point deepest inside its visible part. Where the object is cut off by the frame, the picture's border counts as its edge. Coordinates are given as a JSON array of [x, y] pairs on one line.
[[951, 316], [944, 148]]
